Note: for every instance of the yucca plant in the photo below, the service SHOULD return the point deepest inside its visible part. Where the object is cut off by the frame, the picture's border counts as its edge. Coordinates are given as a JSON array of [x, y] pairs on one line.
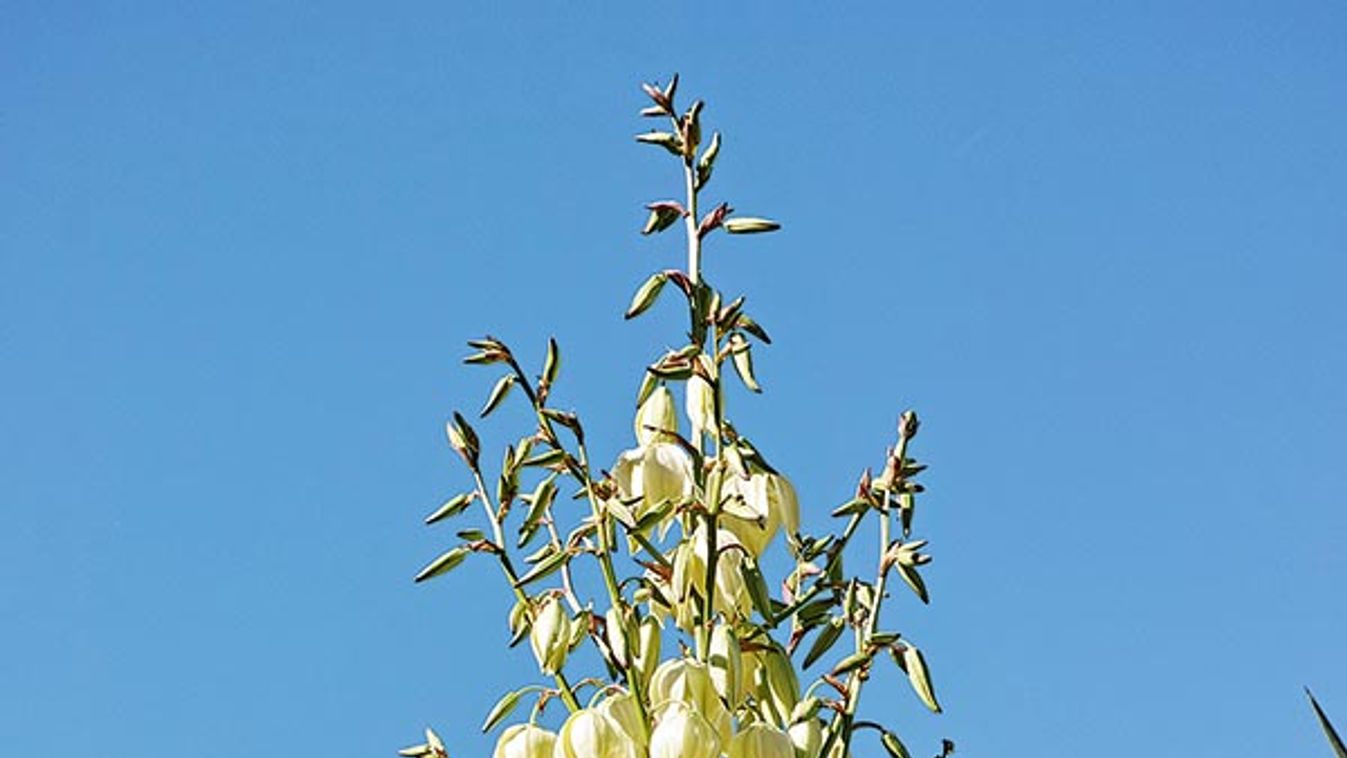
[[701, 656]]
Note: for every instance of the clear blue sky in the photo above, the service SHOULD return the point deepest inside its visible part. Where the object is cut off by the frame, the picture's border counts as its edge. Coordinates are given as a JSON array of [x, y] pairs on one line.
[[1099, 246]]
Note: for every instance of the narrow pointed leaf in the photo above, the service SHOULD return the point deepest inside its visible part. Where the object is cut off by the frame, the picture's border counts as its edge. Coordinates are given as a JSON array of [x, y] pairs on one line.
[[444, 564], [545, 567], [452, 507], [503, 707], [823, 642], [498, 393]]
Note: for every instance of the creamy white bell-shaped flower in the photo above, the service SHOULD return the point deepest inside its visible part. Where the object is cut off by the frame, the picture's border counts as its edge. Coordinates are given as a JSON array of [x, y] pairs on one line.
[[701, 408], [782, 493], [681, 732], [689, 575], [591, 733], [769, 675], [550, 636], [748, 511], [761, 741], [623, 711], [666, 474], [655, 416], [757, 507], [525, 741], [648, 646], [688, 681], [807, 738], [725, 661]]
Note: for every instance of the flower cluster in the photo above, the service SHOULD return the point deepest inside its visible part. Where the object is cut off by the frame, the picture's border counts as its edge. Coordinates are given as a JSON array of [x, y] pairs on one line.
[[698, 655]]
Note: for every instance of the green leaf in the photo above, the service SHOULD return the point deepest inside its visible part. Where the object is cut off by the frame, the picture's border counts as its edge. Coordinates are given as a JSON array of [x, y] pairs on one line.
[[856, 505], [452, 507], [913, 580], [545, 567], [919, 676], [444, 564], [503, 707], [824, 641], [757, 589], [1327, 726], [548, 458], [498, 393]]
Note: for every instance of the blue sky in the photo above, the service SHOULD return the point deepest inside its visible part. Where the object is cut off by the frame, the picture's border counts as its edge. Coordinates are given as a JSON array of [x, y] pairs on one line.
[[1099, 246]]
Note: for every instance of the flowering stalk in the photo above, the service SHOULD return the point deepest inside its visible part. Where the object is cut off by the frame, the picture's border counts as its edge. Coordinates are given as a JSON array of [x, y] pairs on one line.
[[687, 631]]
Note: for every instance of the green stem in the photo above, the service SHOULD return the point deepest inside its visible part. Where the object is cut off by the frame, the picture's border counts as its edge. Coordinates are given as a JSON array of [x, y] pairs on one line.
[[842, 723]]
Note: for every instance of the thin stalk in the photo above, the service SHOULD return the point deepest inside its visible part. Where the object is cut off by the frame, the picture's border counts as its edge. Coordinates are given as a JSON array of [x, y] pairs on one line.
[[855, 681], [507, 567]]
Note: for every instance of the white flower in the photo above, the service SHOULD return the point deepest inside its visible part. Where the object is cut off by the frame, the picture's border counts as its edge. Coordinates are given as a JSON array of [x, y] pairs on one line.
[[623, 711], [550, 636], [756, 507], [525, 741], [591, 733], [701, 408], [681, 732], [807, 737], [655, 415], [761, 741], [769, 674], [657, 469], [686, 681], [726, 662], [689, 576]]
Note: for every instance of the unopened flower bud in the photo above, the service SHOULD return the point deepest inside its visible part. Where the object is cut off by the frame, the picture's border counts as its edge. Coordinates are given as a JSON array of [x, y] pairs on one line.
[[908, 425], [761, 741], [551, 636], [525, 741]]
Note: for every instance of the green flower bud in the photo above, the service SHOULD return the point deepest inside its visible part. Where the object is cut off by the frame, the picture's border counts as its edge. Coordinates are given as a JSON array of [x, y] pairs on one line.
[[550, 636], [525, 741], [681, 732], [761, 741]]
